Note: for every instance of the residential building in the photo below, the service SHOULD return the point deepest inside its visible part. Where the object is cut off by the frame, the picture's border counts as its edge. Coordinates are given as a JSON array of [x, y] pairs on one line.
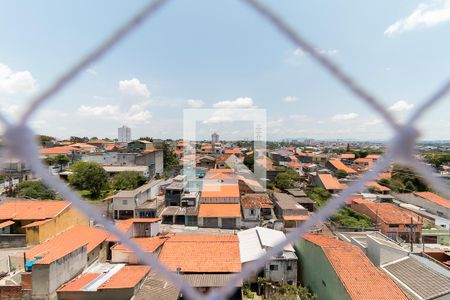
[[214, 138], [174, 191], [255, 208], [328, 182], [113, 170], [62, 258], [397, 223], [336, 164], [33, 222], [433, 203], [139, 146], [279, 269], [218, 215], [206, 261], [141, 202], [287, 209], [124, 134], [334, 269], [105, 281], [137, 228], [301, 198], [122, 254], [158, 287]]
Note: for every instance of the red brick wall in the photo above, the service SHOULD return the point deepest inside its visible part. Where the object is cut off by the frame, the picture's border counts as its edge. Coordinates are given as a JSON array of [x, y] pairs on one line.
[[11, 292]]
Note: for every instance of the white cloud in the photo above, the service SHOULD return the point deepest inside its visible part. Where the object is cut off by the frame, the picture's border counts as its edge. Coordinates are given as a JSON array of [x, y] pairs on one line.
[[134, 88], [327, 52], [15, 82], [426, 14], [373, 122], [134, 114], [195, 103], [242, 102], [290, 99], [299, 117], [401, 105], [91, 71], [344, 117]]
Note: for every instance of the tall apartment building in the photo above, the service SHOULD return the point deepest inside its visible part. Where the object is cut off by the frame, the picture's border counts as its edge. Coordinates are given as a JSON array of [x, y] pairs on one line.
[[214, 138], [124, 134]]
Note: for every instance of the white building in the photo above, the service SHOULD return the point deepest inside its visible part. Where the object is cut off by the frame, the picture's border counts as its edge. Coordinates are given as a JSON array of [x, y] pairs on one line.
[[124, 134], [214, 138]]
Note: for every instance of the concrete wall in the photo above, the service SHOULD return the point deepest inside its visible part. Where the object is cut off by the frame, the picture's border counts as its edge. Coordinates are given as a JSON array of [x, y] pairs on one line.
[[380, 254], [64, 221], [46, 278], [12, 240], [282, 274], [201, 221], [249, 216], [317, 273]]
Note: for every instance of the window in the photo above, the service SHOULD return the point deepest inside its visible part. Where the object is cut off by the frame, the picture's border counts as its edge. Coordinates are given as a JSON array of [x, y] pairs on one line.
[[252, 211], [124, 202], [273, 267], [289, 268], [324, 284]]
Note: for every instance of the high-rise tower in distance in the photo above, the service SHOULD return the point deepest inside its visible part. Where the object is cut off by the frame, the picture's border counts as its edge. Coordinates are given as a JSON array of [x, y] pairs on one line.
[[124, 134]]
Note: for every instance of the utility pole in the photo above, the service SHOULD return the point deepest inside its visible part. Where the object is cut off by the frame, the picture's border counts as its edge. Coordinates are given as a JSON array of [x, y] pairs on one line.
[[411, 234]]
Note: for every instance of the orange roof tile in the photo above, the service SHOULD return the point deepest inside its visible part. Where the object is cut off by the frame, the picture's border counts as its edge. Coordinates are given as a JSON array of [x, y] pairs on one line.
[[6, 224], [83, 145], [126, 277], [32, 210], [340, 166], [363, 160], [256, 201], [219, 210], [37, 223], [373, 156], [59, 150], [220, 190], [296, 218], [375, 185], [233, 151], [78, 283], [330, 182], [147, 244], [360, 277], [384, 175], [207, 253], [67, 242], [390, 213], [347, 156], [434, 198], [125, 225], [294, 164]]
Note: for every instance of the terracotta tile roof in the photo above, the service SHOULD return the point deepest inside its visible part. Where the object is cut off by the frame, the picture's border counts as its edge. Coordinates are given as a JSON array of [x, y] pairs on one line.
[[59, 150], [217, 175], [256, 201], [293, 158], [294, 164], [340, 166], [233, 151], [384, 175], [206, 253], [220, 190], [330, 182], [347, 156], [220, 171], [296, 218], [434, 198], [78, 283], [6, 224], [363, 160], [83, 145], [373, 156], [127, 277], [147, 244], [67, 242], [32, 210], [37, 223], [360, 277], [219, 210], [390, 213], [375, 185]]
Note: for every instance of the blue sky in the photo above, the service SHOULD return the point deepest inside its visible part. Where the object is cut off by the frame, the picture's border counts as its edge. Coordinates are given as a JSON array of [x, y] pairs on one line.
[[207, 54]]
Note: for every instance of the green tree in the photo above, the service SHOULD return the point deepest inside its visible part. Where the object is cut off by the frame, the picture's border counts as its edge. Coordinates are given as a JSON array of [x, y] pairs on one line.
[[341, 174], [34, 190], [319, 195], [127, 180], [284, 181], [347, 217], [249, 161], [61, 160], [89, 176], [146, 138], [170, 160], [44, 139]]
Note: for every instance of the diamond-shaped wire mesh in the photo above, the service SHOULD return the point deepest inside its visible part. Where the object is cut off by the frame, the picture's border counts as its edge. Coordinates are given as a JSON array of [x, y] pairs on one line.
[[400, 149]]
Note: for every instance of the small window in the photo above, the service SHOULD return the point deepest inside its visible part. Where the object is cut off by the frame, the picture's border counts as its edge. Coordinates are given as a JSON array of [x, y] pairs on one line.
[[289, 268], [252, 211], [324, 284], [273, 267], [124, 202]]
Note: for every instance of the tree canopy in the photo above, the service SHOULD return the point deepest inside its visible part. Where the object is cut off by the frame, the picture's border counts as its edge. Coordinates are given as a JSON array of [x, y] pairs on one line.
[[89, 176], [34, 190], [127, 180], [404, 181]]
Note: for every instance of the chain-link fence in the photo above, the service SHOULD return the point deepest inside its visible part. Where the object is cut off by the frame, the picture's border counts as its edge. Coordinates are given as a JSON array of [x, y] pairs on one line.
[[400, 148]]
